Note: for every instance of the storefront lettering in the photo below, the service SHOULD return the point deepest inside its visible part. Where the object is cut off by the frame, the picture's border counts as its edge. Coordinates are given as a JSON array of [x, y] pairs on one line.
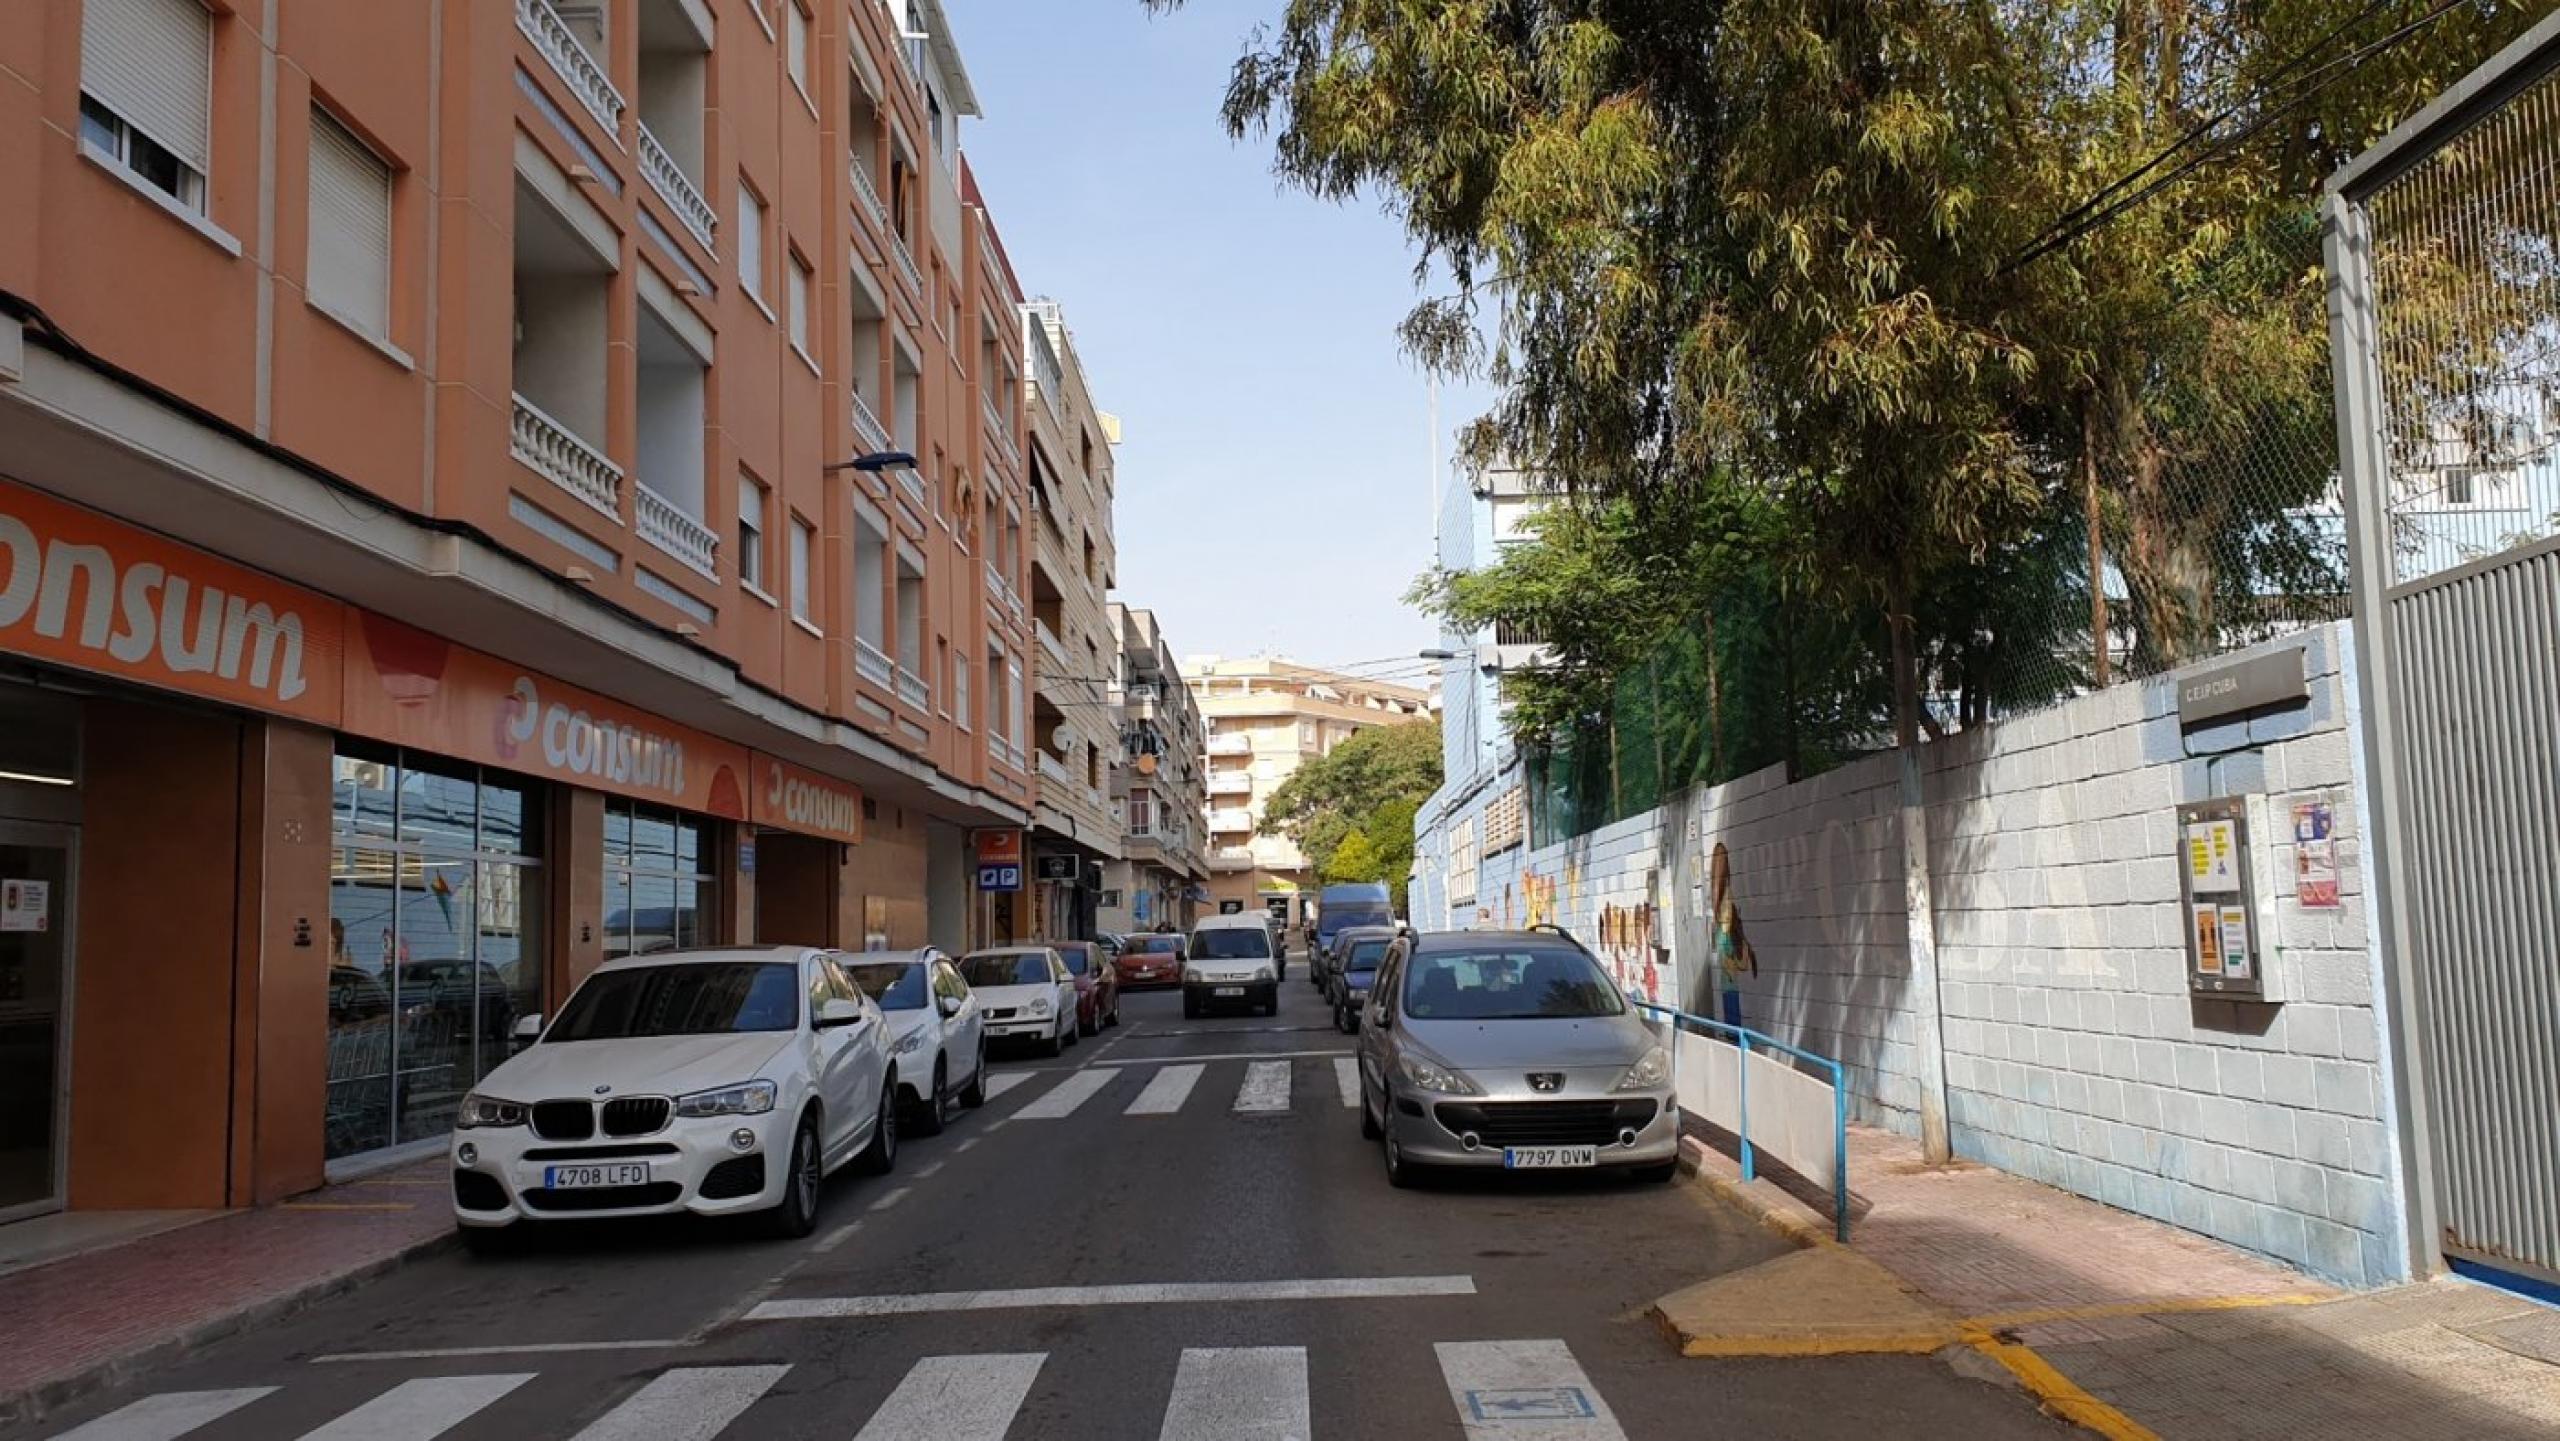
[[143, 615], [812, 808], [584, 745]]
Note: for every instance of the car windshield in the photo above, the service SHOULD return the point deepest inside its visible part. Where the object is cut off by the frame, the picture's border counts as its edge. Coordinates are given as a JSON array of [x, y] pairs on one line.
[[1343, 915], [1231, 943], [1152, 945], [896, 985], [705, 998], [1006, 969], [1078, 961], [1365, 955], [1510, 985]]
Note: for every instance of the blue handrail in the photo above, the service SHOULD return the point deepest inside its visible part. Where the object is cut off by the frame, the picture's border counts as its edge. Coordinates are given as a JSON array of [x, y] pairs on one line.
[[1746, 1038]]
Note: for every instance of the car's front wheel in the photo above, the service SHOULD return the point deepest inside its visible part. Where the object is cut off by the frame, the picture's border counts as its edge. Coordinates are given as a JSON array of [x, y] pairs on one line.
[[881, 1156], [1368, 1121], [796, 1214], [1401, 1173], [937, 1103], [974, 1094]]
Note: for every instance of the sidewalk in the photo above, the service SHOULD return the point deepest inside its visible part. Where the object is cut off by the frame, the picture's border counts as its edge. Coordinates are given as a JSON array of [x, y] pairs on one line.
[[79, 1322], [2128, 1326]]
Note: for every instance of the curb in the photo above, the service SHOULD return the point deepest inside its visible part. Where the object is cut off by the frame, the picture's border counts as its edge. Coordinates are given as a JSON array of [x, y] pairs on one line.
[[32, 1403], [1774, 1209]]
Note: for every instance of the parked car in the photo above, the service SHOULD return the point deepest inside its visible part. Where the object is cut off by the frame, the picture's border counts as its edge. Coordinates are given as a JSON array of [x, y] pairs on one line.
[[937, 1031], [1150, 961], [1028, 994], [710, 1081], [1360, 948], [1097, 984], [1230, 960], [1511, 1050]]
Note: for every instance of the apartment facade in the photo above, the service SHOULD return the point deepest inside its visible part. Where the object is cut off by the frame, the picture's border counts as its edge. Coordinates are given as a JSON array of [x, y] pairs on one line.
[[1160, 787], [1263, 719], [427, 562], [1075, 731]]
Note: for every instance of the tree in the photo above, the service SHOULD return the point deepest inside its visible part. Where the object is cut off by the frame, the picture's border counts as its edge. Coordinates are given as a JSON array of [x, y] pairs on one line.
[[1352, 861], [1389, 831], [1321, 803]]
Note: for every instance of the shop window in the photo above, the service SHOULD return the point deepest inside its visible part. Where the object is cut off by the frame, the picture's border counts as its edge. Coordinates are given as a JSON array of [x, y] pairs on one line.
[[658, 881], [435, 940]]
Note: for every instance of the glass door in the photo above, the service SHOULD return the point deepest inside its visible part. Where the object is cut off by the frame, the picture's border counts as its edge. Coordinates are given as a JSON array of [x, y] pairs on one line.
[[36, 869]]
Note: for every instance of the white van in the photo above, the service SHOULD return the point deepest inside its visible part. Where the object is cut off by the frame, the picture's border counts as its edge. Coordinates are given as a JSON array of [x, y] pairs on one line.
[[1230, 961]]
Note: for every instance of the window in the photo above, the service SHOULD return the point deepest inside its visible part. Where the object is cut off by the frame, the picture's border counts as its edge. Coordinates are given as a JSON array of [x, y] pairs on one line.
[[933, 122], [752, 497], [658, 883], [795, 44], [804, 539], [960, 692], [799, 300], [870, 583], [750, 242], [350, 215], [146, 90]]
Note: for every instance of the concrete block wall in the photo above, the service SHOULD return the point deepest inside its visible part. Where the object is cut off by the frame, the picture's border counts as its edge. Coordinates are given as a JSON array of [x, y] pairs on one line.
[[2074, 1052]]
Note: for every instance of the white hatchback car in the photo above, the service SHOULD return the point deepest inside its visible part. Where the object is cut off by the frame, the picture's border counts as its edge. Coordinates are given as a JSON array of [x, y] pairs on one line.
[[1028, 993], [716, 1082], [937, 1030]]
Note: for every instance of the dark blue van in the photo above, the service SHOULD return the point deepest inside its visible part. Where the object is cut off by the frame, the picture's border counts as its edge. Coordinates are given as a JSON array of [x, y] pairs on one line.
[[1340, 907]]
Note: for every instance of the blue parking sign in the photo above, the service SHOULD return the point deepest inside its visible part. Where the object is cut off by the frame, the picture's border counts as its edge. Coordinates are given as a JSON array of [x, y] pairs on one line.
[[1000, 878]]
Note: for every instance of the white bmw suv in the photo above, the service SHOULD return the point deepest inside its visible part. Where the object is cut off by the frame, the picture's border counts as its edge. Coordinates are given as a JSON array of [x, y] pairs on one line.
[[716, 1082]]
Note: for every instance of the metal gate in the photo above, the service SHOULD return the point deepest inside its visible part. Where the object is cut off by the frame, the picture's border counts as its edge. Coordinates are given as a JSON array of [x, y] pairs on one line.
[[2444, 253]]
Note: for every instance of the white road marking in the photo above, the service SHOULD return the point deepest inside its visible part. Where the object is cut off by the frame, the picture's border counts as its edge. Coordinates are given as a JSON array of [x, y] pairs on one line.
[[837, 1237], [965, 1144], [1266, 1087], [927, 1169], [1227, 1056], [693, 1404], [956, 1398], [1254, 1393], [1524, 1391], [891, 1199], [998, 1085], [165, 1417], [1346, 1288], [536, 1348], [419, 1410], [1064, 1097], [1165, 1094], [1346, 1079]]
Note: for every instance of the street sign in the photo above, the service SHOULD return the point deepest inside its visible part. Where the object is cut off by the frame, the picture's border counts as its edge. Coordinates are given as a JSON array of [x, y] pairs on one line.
[[1000, 878], [1057, 868]]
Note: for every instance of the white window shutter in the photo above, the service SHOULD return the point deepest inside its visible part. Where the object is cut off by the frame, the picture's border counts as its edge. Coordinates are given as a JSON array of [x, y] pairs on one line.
[[350, 265], [151, 62]]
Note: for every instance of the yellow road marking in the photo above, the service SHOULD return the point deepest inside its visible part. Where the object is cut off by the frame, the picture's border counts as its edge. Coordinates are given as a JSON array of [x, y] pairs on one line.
[[2058, 1392], [2158, 1306], [348, 1206]]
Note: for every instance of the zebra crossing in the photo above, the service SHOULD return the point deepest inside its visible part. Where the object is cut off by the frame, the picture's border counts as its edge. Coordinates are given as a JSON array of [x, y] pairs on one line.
[[1264, 1087], [1521, 1390]]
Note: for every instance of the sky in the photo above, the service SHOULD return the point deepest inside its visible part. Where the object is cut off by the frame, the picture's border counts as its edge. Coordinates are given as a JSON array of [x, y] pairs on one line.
[[1275, 489]]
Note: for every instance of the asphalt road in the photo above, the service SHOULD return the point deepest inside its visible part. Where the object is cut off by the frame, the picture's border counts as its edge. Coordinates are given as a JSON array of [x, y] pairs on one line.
[[1213, 1272]]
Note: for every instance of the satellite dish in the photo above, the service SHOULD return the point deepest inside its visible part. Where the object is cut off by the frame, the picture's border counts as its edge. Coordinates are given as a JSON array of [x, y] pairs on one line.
[[1063, 739], [1146, 764]]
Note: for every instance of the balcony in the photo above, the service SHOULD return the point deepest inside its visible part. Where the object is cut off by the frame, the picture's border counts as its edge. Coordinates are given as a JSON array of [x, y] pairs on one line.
[[908, 275], [1231, 745], [999, 437], [913, 690], [911, 480], [1049, 642], [1230, 822], [1002, 590], [677, 189], [569, 59], [1054, 771], [1231, 858], [872, 663], [552, 451], [1230, 783], [664, 524], [1003, 749], [867, 427], [868, 195]]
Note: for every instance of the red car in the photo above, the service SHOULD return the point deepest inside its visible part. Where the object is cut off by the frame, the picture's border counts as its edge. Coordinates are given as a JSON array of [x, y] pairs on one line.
[[1097, 987], [1151, 961]]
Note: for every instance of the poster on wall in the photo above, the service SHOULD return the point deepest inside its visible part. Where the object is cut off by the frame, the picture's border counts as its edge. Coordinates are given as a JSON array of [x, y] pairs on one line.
[[2315, 857], [26, 905]]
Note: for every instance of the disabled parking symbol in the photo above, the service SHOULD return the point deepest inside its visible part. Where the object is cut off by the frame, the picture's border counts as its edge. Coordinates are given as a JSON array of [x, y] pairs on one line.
[[1541, 1403]]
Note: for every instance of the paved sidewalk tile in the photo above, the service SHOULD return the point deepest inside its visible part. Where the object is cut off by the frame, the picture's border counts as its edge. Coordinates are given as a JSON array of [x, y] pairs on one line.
[[65, 1322], [2174, 1335]]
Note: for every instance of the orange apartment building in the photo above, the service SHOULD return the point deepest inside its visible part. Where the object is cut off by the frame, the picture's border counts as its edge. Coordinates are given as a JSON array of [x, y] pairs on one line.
[[425, 566]]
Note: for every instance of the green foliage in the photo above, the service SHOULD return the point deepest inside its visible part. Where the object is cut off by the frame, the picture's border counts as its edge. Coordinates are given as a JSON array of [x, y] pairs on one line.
[[1353, 860], [1322, 804]]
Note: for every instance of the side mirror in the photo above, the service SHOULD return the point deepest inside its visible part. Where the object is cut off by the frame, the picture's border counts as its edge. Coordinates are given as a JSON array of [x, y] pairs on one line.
[[949, 1005], [528, 1029], [838, 1012]]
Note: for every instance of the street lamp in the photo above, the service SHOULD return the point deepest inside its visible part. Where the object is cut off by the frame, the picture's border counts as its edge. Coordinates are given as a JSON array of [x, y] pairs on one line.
[[876, 462], [1439, 655]]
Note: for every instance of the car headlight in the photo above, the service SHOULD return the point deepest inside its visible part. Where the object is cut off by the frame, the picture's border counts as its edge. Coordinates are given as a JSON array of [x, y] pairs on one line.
[[1431, 1076], [1040, 1007], [1648, 1073], [1191, 974], [481, 1112], [909, 1044], [753, 1098], [1262, 973]]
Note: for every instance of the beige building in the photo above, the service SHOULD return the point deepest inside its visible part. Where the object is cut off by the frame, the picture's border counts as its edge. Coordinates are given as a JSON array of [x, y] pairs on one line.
[[1265, 718], [1161, 787], [1075, 723]]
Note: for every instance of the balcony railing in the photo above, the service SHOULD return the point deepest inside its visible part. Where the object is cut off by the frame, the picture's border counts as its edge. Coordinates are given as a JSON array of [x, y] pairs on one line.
[[1230, 821], [913, 690], [1049, 642], [1055, 770], [1006, 751], [866, 425], [552, 450], [908, 275], [868, 194], [873, 664], [1230, 783], [677, 189], [1230, 745], [569, 58], [999, 438], [1002, 589], [911, 480], [664, 524]]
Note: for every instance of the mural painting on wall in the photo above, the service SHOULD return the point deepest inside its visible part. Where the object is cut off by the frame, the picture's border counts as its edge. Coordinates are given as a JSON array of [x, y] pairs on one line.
[[1627, 943], [1733, 948], [1540, 892]]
